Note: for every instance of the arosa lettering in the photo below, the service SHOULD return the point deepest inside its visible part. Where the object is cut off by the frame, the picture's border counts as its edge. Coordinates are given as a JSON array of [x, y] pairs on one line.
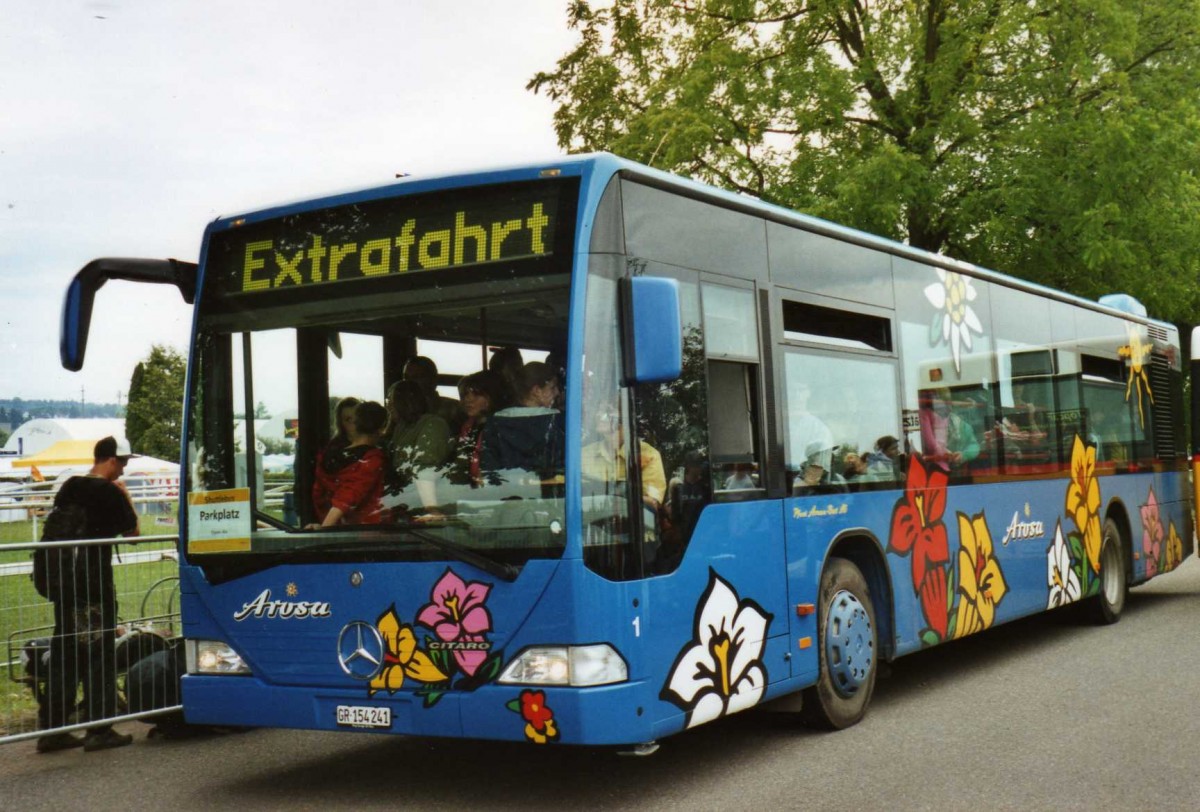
[[1018, 530], [384, 238], [263, 606]]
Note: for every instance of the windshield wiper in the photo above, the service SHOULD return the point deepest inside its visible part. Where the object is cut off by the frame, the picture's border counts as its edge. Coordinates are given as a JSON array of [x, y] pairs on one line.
[[501, 570], [506, 572]]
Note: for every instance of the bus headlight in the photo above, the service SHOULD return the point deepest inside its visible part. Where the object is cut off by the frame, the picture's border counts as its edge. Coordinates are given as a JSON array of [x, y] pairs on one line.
[[214, 657], [566, 665]]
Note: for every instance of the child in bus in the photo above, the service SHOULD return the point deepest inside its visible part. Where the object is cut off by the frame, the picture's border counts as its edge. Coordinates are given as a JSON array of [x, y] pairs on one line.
[[348, 485], [343, 425]]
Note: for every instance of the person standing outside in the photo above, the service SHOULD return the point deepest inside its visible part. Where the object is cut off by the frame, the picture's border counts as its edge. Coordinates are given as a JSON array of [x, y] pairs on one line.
[[83, 649]]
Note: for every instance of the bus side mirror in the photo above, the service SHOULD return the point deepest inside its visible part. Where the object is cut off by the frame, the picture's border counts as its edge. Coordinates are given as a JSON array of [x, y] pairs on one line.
[[81, 293], [652, 331]]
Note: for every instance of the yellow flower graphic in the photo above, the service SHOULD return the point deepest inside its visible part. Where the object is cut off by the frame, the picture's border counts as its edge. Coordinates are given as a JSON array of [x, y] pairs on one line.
[[1137, 351], [980, 581], [402, 660], [1083, 499], [1174, 549]]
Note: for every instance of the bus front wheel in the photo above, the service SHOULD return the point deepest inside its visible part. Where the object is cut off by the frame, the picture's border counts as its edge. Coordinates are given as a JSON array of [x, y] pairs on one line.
[[846, 639], [1107, 606]]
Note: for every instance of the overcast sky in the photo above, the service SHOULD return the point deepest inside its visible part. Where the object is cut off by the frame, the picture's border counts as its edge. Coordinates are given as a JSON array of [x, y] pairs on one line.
[[129, 124]]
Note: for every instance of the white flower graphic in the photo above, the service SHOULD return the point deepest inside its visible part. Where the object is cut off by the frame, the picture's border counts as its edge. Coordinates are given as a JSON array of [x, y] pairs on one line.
[[1061, 577], [955, 320], [720, 671]]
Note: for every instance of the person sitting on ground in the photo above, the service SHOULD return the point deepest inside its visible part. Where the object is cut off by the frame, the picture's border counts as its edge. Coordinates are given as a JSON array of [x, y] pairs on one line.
[[528, 437], [348, 482], [418, 445]]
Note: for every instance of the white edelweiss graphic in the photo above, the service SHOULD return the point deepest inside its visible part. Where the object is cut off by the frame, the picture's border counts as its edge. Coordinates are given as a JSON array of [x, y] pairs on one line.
[[1061, 577], [956, 320], [721, 670]]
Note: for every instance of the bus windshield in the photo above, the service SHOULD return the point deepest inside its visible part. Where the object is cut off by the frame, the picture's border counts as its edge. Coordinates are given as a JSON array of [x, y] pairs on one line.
[[384, 381]]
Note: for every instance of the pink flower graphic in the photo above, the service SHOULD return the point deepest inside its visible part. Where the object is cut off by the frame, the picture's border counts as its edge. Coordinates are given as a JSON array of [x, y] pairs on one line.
[[457, 614], [1152, 534]]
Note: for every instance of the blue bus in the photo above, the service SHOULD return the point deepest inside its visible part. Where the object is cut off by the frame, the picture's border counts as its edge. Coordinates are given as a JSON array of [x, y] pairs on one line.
[[761, 454]]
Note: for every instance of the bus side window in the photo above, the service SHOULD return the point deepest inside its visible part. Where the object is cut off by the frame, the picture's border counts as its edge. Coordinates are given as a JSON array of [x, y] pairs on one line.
[[731, 348], [733, 409], [841, 423]]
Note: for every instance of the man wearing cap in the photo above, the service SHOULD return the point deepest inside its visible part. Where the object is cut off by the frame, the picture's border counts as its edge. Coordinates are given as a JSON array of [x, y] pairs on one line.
[[85, 610]]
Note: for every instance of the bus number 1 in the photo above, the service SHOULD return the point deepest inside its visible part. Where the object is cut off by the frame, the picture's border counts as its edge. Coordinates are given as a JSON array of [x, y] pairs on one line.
[[637, 627]]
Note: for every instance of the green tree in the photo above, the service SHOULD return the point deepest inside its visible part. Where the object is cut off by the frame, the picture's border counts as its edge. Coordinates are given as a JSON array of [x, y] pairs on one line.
[[154, 412], [1054, 140]]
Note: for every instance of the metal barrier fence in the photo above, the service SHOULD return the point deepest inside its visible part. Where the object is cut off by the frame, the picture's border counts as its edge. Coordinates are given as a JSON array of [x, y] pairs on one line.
[[108, 666]]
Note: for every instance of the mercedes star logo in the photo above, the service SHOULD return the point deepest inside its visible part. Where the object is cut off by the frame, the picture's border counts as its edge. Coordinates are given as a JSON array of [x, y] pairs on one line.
[[360, 650]]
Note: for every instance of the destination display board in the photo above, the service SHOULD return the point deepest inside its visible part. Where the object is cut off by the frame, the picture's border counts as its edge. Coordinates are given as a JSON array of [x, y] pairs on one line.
[[394, 237]]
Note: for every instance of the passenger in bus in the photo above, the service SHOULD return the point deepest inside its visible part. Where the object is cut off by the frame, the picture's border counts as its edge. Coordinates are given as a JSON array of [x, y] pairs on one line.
[[1024, 412], [947, 439], [424, 373], [348, 482], [686, 497], [855, 467], [885, 461], [814, 476], [507, 363], [343, 425], [478, 393], [556, 359], [529, 437], [418, 445], [740, 477], [805, 429], [604, 460]]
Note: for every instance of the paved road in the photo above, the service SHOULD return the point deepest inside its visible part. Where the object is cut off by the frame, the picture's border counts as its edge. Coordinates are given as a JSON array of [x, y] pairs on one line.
[[1044, 713]]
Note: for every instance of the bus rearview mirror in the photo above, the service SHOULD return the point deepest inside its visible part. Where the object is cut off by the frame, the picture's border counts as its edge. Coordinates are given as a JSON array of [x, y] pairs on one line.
[[653, 339], [81, 293]]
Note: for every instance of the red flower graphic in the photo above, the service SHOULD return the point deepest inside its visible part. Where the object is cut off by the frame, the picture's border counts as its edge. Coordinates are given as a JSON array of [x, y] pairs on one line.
[[917, 528], [933, 600], [539, 719]]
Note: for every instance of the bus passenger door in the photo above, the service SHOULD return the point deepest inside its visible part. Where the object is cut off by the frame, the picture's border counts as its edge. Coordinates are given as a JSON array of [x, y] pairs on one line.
[[843, 452]]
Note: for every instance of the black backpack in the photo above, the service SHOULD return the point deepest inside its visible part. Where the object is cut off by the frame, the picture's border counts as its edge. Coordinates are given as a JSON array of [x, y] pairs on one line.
[[66, 522]]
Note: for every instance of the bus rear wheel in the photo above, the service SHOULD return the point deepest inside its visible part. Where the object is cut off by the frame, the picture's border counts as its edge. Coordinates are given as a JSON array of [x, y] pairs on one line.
[[846, 642], [1107, 606]]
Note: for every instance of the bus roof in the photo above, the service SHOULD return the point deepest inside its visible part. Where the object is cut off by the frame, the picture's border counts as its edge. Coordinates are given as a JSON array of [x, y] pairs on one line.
[[598, 168]]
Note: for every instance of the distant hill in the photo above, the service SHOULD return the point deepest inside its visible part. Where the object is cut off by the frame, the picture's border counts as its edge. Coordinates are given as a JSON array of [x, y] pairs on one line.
[[16, 411]]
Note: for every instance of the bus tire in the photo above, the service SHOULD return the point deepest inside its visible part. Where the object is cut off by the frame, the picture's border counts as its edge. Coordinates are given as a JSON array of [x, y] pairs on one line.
[[1114, 586], [847, 649]]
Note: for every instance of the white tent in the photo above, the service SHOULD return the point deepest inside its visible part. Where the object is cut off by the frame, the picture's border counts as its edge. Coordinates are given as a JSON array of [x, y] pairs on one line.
[[39, 434]]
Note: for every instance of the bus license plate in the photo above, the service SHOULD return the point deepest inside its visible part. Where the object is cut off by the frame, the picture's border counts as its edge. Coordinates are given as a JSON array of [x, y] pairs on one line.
[[363, 716]]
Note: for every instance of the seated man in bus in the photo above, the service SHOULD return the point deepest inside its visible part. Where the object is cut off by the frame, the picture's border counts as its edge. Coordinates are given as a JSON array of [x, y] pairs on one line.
[[424, 373], [814, 475], [418, 445], [604, 459], [527, 441]]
